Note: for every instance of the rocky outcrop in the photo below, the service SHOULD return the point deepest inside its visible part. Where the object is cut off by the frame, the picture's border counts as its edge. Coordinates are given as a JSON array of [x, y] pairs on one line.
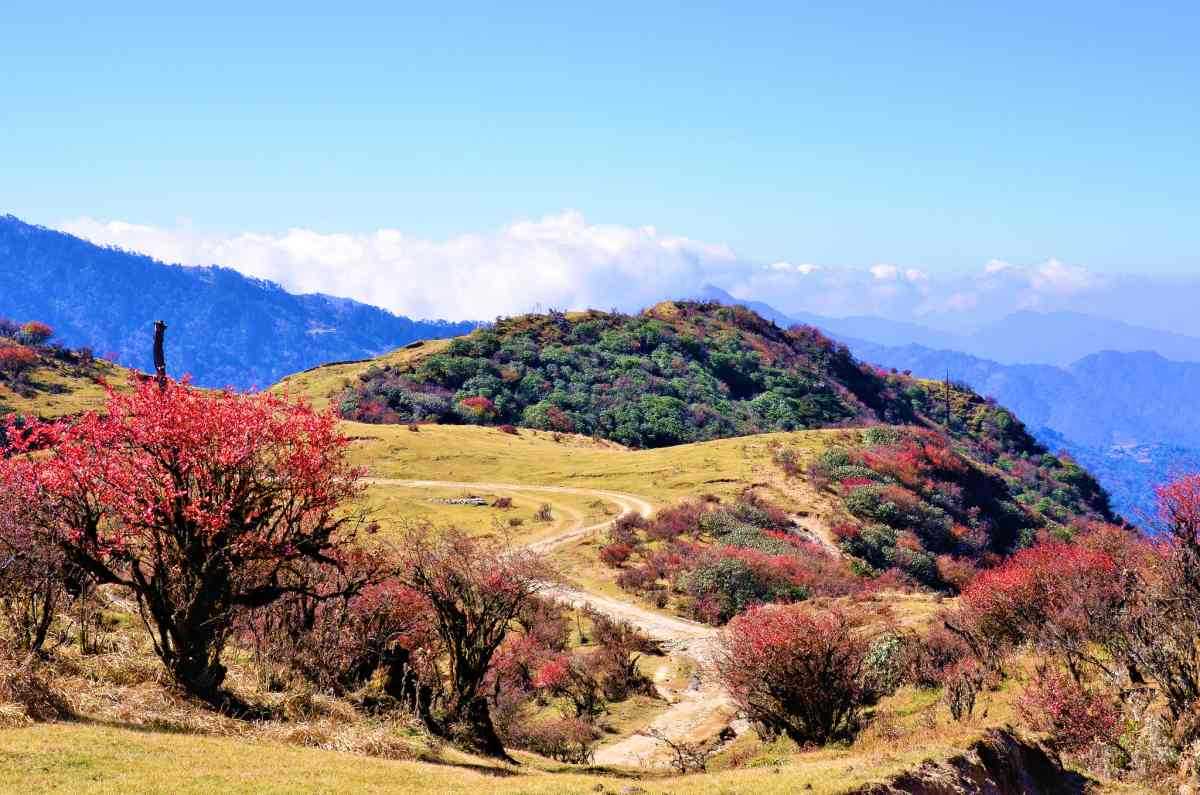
[[999, 763]]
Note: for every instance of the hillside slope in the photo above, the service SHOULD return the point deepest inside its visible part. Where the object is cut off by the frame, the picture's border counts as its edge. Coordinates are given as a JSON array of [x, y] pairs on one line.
[[954, 476], [678, 372], [225, 329], [684, 372], [58, 382], [1121, 414], [1117, 410]]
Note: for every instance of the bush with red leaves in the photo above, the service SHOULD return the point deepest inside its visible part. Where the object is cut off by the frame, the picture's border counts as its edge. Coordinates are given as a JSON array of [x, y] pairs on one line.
[[34, 576], [615, 554], [677, 520], [798, 670], [566, 739], [16, 359], [203, 504], [624, 529], [956, 572], [930, 656], [638, 578], [725, 558], [545, 621], [475, 588], [35, 333], [477, 409], [1062, 596], [339, 644], [1075, 718]]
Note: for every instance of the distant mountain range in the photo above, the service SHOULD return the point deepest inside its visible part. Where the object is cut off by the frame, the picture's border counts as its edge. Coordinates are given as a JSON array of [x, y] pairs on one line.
[[1128, 415], [1054, 338], [224, 329]]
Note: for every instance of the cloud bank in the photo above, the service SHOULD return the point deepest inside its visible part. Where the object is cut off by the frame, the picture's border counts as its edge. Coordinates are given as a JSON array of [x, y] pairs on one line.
[[564, 261]]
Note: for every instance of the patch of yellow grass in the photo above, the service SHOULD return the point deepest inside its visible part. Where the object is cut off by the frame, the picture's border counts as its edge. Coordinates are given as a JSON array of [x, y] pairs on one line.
[[663, 476], [393, 506], [321, 385], [97, 758], [58, 392], [470, 453]]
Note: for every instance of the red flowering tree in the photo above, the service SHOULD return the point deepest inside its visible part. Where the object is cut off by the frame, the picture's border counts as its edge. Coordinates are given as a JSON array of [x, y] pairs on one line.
[[1179, 511], [1162, 619], [798, 670], [475, 589], [338, 644], [35, 333], [16, 359], [203, 504], [1064, 597]]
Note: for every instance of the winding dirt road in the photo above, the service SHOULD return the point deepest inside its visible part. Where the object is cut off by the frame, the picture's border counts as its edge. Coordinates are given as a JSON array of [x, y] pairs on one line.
[[698, 710]]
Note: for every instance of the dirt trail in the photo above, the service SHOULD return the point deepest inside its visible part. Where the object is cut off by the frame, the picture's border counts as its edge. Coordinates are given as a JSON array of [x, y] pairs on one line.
[[819, 533], [626, 502], [698, 710]]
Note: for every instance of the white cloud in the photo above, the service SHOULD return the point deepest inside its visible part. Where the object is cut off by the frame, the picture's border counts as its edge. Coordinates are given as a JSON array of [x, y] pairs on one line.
[[1058, 277], [889, 273], [962, 302], [556, 261], [787, 267], [885, 273], [564, 261]]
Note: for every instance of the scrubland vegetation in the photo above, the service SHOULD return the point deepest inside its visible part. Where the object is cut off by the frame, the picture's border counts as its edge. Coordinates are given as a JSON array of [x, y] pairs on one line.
[[188, 563], [39, 377]]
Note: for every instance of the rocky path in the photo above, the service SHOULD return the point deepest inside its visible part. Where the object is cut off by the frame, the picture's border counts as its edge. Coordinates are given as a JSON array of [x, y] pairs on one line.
[[699, 709]]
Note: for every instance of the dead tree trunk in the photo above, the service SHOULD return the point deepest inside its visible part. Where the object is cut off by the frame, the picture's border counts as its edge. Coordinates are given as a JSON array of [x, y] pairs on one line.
[[160, 358]]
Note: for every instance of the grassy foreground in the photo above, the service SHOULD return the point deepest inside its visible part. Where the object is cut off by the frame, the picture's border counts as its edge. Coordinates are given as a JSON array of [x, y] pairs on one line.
[[66, 757]]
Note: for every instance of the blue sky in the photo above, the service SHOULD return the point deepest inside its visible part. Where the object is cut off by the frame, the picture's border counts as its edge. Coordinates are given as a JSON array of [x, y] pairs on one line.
[[935, 136]]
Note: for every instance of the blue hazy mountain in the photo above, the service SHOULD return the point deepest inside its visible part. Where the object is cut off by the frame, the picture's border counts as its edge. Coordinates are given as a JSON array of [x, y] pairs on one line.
[[225, 329], [1027, 337], [1127, 415]]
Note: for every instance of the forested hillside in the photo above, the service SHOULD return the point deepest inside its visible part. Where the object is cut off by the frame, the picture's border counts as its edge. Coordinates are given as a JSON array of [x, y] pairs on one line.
[[225, 329], [687, 371]]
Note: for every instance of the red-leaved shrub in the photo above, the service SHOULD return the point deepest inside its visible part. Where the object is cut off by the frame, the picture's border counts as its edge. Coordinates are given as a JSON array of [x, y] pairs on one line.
[[1074, 717], [798, 670], [1060, 595], [16, 359], [615, 554], [202, 504], [35, 333]]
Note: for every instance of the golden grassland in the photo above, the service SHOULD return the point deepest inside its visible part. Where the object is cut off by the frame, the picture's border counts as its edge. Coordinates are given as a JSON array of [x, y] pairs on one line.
[[473, 453], [521, 523], [94, 757], [320, 385], [57, 390]]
